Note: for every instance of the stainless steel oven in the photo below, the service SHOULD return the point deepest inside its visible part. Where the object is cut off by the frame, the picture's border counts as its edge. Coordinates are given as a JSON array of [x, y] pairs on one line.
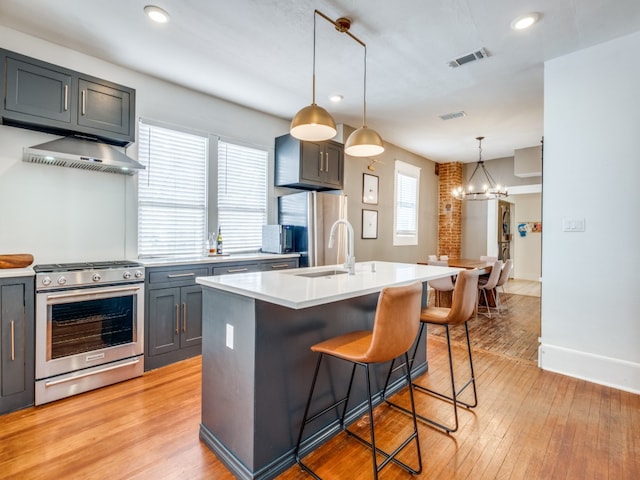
[[89, 326]]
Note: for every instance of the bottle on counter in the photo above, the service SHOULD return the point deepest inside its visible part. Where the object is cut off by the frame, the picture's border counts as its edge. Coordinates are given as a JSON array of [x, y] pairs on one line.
[[211, 244], [219, 241]]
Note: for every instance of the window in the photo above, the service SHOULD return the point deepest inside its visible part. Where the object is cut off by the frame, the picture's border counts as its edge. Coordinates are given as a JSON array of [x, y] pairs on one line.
[[172, 192], [405, 219], [242, 196]]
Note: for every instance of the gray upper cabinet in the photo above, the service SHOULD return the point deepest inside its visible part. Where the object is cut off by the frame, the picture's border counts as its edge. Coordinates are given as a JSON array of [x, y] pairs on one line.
[[308, 165], [46, 97], [37, 91], [104, 107]]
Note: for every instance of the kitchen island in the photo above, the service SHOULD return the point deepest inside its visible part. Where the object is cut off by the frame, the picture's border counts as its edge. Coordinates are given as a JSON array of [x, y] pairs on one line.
[[256, 362]]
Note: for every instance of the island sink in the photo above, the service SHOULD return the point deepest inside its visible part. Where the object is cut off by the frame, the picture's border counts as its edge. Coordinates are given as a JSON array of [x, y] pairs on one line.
[[322, 273]]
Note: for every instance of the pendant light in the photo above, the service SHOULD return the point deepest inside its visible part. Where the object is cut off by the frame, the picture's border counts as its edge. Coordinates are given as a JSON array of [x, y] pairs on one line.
[[364, 142], [313, 123], [488, 190]]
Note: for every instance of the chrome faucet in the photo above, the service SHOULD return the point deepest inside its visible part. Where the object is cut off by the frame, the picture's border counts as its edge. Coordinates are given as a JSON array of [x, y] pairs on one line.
[[350, 263]]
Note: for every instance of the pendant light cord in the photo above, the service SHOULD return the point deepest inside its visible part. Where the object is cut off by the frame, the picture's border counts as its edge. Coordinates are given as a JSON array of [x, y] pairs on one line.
[[313, 80]]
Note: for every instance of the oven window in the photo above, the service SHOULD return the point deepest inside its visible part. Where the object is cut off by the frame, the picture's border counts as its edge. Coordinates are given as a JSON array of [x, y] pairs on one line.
[[89, 325]]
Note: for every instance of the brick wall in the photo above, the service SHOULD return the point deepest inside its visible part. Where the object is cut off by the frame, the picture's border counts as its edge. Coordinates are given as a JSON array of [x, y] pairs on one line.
[[449, 210]]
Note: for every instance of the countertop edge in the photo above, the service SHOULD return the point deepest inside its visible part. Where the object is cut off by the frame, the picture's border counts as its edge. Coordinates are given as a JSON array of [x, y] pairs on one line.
[[239, 257], [16, 272], [212, 282]]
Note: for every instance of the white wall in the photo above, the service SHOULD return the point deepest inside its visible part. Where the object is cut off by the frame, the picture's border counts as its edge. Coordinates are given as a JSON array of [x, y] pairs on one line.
[[526, 251], [591, 305]]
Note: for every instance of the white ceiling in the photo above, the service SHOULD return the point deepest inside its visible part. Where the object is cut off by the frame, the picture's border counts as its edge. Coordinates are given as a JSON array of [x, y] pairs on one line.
[[258, 53]]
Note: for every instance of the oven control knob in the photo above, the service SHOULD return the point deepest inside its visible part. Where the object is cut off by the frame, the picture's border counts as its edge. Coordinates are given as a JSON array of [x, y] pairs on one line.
[[62, 280], [46, 281], [126, 275], [138, 274], [96, 277]]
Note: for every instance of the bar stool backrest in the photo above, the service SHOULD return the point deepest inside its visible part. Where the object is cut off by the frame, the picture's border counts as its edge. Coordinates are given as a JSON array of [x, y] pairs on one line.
[[396, 323], [465, 293]]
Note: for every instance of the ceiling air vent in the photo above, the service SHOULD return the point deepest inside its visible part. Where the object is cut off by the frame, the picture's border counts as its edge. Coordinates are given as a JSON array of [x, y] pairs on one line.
[[449, 116], [469, 57]]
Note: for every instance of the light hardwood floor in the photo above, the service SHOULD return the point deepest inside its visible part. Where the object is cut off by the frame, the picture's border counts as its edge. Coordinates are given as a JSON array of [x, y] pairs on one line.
[[523, 287], [529, 424]]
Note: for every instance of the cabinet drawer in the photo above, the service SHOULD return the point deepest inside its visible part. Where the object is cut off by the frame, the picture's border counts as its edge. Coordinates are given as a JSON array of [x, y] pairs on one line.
[[242, 268], [177, 275], [279, 265]]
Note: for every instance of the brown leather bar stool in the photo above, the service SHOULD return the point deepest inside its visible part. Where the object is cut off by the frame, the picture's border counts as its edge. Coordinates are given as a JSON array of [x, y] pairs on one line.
[[395, 327], [462, 309]]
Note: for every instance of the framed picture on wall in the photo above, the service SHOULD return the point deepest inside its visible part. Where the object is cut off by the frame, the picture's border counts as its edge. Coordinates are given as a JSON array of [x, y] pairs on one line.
[[369, 223], [369, 189]]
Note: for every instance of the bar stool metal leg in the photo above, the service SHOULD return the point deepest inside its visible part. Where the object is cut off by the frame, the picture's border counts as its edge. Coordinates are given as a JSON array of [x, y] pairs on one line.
[[388, 457]]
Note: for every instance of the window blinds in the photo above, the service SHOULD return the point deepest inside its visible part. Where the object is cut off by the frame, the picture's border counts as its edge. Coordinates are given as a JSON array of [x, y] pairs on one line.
[[172, 192], [407, 181], [242, 196]]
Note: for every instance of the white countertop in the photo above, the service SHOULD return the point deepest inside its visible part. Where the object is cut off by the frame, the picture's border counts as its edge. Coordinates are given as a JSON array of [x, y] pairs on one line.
[[234, 257], [16, 272], [289, 289]]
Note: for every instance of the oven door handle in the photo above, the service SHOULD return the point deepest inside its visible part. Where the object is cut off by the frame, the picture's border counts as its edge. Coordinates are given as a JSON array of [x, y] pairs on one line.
[[88, 374], [91, 292]]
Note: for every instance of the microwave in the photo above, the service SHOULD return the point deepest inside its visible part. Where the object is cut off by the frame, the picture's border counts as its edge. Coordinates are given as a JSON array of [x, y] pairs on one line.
[[277, 239]]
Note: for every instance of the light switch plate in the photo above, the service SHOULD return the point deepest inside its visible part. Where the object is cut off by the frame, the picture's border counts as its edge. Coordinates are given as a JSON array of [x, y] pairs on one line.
[[570, 224]]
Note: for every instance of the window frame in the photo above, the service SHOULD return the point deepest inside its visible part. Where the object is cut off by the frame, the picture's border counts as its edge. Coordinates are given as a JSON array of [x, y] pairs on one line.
[[411, 171]]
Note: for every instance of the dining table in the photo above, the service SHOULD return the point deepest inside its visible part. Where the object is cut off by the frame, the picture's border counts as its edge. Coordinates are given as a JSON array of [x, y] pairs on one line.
[[483, 267]]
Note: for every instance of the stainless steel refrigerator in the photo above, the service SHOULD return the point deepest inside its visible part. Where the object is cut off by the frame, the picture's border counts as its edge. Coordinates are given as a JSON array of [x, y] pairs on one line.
[[312, 214]]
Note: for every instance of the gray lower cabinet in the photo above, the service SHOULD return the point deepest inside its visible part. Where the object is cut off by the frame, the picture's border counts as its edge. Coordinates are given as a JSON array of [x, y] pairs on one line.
[[17, 374], [173, 308], [173, 314]]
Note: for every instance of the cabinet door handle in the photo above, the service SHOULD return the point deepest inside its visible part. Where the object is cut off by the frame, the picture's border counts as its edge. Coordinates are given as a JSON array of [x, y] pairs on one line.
[[321, 162], [326, 154], [177, 318], [84, 103], [237, 270], [184, 317], [66, 98], [13, 341], [178, 275], [279, 265]]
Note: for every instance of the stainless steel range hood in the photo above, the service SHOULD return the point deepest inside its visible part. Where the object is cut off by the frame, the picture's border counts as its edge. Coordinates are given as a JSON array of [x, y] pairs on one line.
[[80, 152]]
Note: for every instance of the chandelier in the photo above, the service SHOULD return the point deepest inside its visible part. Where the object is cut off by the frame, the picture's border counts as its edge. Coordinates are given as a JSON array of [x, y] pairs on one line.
[[484, 188]]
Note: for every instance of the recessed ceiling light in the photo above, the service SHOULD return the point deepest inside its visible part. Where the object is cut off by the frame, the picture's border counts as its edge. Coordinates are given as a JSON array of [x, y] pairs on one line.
[[336, 98], [156, 14], [525, 21]]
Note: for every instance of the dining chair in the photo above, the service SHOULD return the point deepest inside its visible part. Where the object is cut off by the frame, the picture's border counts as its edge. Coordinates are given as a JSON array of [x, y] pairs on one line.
[[462, 310], [432, 258], [489, 283], [395, 326], [502, 280], [444, 258], [439, 285], [488, 258]]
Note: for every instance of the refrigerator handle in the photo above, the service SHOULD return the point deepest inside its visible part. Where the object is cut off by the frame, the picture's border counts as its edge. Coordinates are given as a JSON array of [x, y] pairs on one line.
[[312, 241]]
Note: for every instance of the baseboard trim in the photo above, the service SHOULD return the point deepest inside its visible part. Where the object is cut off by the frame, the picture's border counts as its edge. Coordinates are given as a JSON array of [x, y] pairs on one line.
[[607, 371]]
